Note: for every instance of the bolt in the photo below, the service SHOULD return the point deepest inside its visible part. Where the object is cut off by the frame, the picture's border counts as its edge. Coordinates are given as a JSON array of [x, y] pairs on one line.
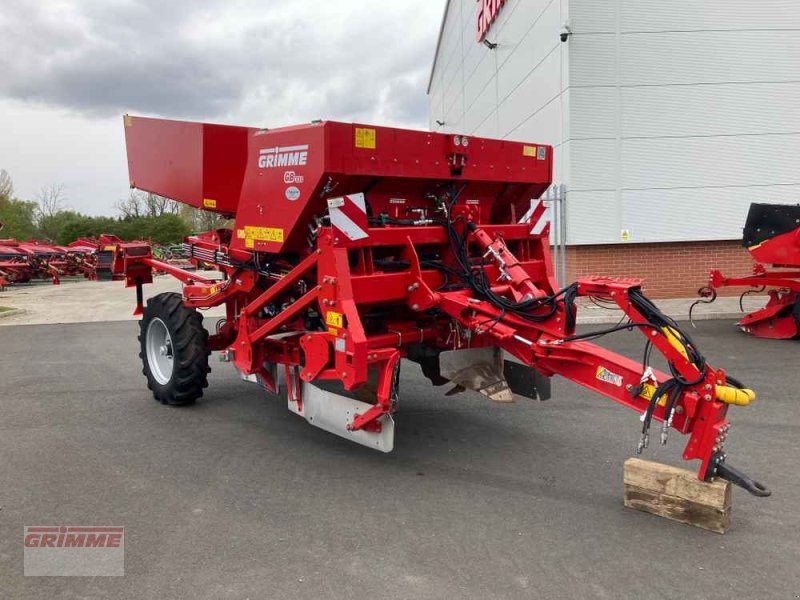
[[415, 307], [629, 387], [344, 375], [707, 387], [707, 397], [325, 301], [679, 410]]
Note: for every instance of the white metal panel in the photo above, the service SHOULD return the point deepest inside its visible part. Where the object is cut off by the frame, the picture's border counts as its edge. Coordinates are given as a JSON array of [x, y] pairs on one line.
[[487, 127], [594, 112], [481, 76], [592, 217], [593, 60], [485, 104], [706, 162], [538, 89], [709, 57], [708, 110], [520, 56], [695, 15], [591, 16], [515, 20], [593, 165], [454, 115], [543, 127], [696, 214]]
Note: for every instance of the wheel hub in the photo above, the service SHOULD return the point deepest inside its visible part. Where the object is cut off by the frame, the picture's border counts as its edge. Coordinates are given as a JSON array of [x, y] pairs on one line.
[[158, 345]]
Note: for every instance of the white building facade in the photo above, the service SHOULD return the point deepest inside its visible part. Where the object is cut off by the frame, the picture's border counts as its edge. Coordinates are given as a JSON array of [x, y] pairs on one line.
[[668, 117]]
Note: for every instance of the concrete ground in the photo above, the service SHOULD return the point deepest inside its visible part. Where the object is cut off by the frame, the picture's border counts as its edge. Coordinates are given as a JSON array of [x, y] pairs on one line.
[[78, 300], [237, 498]]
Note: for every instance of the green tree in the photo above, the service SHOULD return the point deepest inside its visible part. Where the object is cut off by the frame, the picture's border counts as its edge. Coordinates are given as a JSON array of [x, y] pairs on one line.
[[17, 217]]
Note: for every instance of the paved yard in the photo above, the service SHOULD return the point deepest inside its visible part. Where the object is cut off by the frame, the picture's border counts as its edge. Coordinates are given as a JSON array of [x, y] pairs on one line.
[[238, 498]]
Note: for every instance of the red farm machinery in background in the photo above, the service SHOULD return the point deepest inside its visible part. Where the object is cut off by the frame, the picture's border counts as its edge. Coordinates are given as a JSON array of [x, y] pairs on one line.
[[20, 262], [354, 247], [772, 236], [91, 258]]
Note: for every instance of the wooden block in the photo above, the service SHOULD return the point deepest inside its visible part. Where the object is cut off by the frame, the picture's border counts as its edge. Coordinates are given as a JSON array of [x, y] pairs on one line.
[[677, 494]]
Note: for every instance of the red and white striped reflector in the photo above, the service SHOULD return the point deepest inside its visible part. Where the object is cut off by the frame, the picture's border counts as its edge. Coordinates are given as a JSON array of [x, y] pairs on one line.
[[349, 216]]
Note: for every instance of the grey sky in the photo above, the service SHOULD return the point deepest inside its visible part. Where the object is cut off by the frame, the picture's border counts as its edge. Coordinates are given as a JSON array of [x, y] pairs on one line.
[[70, 69]]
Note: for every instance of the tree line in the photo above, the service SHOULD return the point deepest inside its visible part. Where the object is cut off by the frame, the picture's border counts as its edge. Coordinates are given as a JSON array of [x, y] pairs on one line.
[[141, 216]]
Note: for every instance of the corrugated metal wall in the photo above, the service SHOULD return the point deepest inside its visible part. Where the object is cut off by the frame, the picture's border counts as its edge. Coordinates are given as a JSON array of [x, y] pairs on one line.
[[669, 118]]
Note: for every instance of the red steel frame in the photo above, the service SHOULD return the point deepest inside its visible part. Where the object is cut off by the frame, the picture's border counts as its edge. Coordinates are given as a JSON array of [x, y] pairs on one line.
[[342, 279], [780, 318]]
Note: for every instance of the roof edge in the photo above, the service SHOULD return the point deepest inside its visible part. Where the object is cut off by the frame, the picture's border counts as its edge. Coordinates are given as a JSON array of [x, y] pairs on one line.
[[438, 46]]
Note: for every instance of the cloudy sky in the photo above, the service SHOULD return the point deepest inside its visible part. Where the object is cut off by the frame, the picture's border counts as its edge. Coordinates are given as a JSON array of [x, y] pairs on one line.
[[70, 68]]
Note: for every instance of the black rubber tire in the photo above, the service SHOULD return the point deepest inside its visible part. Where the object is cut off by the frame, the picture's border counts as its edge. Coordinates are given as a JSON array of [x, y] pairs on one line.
[[189, 347]]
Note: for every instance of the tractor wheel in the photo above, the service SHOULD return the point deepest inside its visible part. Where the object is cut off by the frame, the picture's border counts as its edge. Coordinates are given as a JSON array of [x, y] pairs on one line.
[[174, 350]]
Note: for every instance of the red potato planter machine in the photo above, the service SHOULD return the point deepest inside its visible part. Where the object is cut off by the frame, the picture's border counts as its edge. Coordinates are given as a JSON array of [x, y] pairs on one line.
[[354, 247], [772, 236]]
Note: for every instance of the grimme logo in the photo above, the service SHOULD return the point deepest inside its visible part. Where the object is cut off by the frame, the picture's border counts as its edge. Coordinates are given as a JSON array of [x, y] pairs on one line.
[[73, 550], [288, 156]]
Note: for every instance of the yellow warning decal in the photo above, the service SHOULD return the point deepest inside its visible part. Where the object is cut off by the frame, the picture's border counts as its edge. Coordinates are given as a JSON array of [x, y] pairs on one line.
[[333, 332], [365, 137], [240, 234], [249, 243], [209, 203], [648, 391], [529, 151], [334, 319], [262, 234], [109, 248], [213, 290], [603, 374]]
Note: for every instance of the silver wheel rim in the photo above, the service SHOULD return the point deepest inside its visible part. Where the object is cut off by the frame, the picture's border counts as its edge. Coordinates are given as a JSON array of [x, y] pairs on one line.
[[159, 351]]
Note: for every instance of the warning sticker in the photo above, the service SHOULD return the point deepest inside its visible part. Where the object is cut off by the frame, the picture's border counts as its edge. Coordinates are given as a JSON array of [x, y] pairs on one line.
[[240, 234], [541, 153], [365, 137], [648, 391], [336, 202], [262, 234], [334, 319], [209, 203], [529, 151], [607, 376]]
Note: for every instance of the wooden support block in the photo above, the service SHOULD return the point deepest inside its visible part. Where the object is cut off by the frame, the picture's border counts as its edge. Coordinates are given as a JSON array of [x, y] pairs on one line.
[[677, 494]]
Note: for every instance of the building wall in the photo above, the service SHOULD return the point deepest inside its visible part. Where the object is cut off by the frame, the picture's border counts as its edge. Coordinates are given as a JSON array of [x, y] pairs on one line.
[[668, 118], [669, 270], [681, 114]]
